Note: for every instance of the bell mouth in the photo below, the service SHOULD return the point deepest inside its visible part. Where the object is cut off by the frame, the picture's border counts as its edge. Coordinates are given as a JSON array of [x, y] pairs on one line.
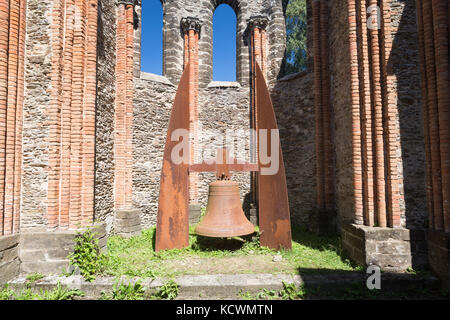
[[222, 231]]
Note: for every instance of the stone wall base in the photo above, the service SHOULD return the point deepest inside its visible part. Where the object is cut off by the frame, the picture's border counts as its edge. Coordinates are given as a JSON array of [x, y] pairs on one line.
[[388, 248], [9, 258], [439, 255], [46, 252]]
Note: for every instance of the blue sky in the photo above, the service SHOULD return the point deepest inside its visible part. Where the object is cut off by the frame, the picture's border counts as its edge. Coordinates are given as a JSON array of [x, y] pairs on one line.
[[224, 52]]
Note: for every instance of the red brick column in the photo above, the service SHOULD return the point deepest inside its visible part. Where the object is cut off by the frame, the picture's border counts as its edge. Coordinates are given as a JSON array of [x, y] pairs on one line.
[[72, 114], [12, 39], [123, 143], [257, 26], [53, 196], [392, 128], [441, 44], [377, 103], [370, 51], [4, 30], [89, 103], [428, 171], [318, 86], [356, 115], [433, 119], [433, 28], [66, 116], [328, 149], [366, 115], [191, 28]]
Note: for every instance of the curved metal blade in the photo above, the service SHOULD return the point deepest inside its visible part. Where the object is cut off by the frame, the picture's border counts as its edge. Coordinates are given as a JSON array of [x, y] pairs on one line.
[[274, 217], [172, 228]]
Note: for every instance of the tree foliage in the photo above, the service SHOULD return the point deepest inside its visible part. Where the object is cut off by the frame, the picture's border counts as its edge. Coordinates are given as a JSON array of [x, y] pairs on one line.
[[296, 45]]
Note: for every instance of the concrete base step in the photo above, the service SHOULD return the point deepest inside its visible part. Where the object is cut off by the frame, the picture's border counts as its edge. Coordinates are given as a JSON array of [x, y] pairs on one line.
[[229, 286]]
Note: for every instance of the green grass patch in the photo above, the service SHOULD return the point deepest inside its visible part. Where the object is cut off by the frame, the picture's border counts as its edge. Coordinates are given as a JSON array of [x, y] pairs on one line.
[[136, 256], [58, 293]]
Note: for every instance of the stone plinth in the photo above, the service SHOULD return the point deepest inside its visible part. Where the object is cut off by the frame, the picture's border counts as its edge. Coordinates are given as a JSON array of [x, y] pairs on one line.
[[9, 258], [127, 223], [388, 248]]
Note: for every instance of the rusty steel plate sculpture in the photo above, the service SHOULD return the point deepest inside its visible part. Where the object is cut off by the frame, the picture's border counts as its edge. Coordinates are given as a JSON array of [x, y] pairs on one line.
[[273, 204], [172, 231], [172, 228]]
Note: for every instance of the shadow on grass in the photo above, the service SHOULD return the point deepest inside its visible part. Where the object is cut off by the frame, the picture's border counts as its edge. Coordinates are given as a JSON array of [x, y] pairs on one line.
[[333, 284]]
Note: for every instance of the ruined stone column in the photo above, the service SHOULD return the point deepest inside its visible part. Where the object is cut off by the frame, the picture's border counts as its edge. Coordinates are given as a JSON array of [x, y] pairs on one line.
[[191, 28]]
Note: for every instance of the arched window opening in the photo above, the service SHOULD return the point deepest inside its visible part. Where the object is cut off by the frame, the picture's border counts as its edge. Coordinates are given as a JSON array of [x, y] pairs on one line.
[[152, 37], [224, 44], [296, 40]]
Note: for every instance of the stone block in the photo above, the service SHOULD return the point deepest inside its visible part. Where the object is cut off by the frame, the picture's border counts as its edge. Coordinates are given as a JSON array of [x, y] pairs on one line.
[[9, 254], [7, 242], [127, 223], [388, 248], [44, 267], [9, 270]]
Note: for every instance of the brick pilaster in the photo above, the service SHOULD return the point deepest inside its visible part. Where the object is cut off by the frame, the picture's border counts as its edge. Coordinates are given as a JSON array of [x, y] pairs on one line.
[[4, 30], [191, 28], [72, 114], [366, 115], [53, 196], [318, 105], [433, 120], [378, 130], [356, 115], [90, 98], [441, 44], [123, 139], [328, 150], [381, 177], [391, 124], [424, 88], [12, 39]]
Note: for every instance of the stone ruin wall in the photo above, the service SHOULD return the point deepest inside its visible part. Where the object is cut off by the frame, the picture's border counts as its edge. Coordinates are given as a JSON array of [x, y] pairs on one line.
[[106, 90], [153, 100], [404, 61]]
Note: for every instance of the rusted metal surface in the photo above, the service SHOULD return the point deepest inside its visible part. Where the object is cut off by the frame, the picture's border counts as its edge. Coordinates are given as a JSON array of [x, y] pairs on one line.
[[224, 215], [274, 217], [222, 167], [172, 229]]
